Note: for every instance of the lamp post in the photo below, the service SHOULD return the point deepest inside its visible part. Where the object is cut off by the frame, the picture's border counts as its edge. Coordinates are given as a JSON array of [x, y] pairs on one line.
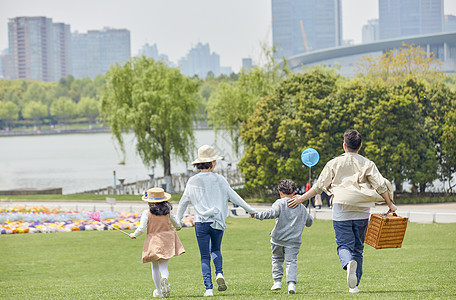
[[115, 183], [152, 175]]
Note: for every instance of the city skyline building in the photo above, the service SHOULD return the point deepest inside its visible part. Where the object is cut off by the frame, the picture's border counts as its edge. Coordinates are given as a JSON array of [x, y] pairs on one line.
[[200, 61], [247, 64], [370, 31], [152, 51], [302, 26], [95, 51], [4, 64], [450, 23], [38, 49], [403, 18]]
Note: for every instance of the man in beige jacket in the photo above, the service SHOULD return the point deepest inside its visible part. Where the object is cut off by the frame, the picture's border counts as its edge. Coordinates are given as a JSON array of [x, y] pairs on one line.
[[356, 184]]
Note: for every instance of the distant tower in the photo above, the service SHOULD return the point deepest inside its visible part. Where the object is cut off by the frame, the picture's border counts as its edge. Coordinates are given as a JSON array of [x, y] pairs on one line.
[[301, 26], [200, 61], [450, 23], [152, 51], [38, 49], [4, 70], [401, 18], [95, 51], [370, 31], [247, 64]]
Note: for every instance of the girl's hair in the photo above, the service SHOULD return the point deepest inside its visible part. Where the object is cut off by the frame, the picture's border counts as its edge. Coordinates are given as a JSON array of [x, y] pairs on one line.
[[203, 166], [160, 208]]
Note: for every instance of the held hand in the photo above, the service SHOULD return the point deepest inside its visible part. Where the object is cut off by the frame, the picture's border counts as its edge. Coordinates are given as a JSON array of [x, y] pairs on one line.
[[392, 207], [252, 216], [132, 236], [178, 228], [295, 201]]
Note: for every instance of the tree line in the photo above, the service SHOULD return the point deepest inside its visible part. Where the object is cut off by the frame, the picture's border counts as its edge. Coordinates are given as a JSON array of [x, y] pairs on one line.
[[402, 105], [37, 103]]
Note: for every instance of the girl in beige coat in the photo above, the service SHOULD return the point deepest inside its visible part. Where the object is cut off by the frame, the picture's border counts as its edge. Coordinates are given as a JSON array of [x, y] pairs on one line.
[[161, 242]]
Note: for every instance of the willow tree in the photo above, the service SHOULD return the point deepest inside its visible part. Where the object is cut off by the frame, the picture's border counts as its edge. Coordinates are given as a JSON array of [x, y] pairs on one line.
[[158, 103]]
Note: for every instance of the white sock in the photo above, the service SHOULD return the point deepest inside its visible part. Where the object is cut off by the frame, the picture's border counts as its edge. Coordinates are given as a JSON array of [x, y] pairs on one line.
[[163, 265], [156, 275]]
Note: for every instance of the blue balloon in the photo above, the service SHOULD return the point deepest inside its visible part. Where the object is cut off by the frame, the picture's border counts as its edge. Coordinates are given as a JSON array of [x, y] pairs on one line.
[[310, 157]]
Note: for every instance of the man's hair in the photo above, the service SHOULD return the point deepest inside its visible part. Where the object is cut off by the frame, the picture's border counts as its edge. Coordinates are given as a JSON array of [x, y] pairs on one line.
[[287, 186], [203, 166], [352, 139]]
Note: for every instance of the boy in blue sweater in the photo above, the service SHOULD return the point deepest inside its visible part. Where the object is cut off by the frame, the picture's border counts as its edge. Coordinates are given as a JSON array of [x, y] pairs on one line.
[[286, 235]]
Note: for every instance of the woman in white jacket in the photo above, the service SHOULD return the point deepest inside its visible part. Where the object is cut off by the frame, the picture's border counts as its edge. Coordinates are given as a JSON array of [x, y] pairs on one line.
[[209, 194]]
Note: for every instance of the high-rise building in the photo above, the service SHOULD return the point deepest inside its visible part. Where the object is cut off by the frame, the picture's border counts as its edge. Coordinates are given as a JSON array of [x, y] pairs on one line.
[[370, 31], [95, 51], [401, 18], [247, 64], [300, 26], [200, 61], [226, 70], [38, 49], [152, 51], [4, 65], [450, 23]]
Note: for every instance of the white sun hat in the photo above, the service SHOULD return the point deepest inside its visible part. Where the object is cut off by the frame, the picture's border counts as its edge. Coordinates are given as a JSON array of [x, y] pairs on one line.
[[206, 153]]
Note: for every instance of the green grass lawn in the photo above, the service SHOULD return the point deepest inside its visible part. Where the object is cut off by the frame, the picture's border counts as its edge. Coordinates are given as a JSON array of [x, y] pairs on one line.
[[107, 265]]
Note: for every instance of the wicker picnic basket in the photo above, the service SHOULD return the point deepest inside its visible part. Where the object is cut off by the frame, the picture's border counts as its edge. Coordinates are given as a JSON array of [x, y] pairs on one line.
[[386, 230]]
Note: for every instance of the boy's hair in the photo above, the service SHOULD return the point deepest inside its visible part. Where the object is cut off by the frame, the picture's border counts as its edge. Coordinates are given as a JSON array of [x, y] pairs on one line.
[[287, 186], [352, 139], [203, 166], [160, 208]]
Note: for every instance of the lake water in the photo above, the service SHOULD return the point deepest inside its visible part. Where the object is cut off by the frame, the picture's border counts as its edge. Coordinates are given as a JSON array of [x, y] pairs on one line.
[[80, 162]]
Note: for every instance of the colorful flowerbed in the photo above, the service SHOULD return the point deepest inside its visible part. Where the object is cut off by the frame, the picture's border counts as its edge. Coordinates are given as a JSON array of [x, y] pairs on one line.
[[35, 219]]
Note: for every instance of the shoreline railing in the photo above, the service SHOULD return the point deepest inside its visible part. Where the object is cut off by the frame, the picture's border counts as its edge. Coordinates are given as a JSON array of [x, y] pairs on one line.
[[232, 175]]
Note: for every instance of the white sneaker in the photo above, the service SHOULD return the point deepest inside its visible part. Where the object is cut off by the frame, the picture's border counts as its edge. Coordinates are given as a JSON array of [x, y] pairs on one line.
[[208, 293], [157, 294], [166, 291], [352, 280], [291, 288], [355, 290], [276, 286], [221, 282]]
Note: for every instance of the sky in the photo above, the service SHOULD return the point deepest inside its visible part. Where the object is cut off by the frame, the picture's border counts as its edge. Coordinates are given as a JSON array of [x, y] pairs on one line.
[[234, 29]]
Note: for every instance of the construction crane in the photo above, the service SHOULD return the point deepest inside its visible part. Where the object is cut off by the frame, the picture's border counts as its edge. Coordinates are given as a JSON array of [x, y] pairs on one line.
[[265, 43], [303, 32]]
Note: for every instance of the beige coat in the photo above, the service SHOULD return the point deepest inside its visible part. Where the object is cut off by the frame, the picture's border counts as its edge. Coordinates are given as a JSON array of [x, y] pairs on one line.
[[353, 180], [161, 241]]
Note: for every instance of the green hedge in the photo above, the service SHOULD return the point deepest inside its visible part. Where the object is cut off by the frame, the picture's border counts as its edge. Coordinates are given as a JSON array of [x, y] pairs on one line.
[[419, 199]]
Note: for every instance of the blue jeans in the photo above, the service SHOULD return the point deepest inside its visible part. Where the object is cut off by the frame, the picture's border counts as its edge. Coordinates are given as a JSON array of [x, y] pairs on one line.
[[209, 242], [350, 242]]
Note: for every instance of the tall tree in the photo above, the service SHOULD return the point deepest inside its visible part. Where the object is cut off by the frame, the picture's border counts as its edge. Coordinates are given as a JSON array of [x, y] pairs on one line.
[[8, 112], [158, 103], [89, 108], [296, 116], [397, 65], [35, 111], [449, 146], [63, 109]]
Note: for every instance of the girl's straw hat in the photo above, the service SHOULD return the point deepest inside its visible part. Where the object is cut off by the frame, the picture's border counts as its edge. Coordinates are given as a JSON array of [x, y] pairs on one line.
[[206, 153], [156, 195]]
